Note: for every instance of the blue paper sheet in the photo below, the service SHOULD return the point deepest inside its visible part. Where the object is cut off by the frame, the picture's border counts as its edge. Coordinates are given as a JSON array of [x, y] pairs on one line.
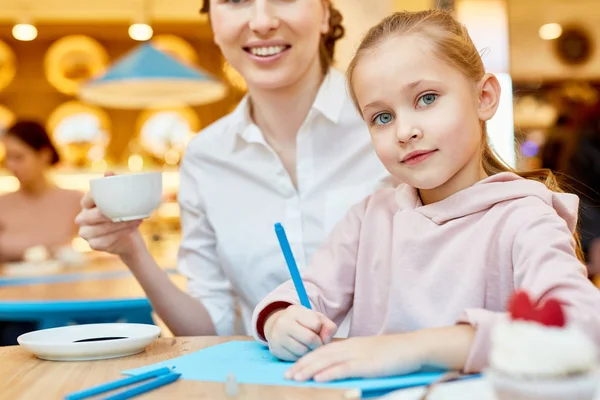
[[252, 363]]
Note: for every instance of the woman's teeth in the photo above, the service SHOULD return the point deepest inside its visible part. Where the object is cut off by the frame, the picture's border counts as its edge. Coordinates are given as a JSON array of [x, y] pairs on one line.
[[267, 51]]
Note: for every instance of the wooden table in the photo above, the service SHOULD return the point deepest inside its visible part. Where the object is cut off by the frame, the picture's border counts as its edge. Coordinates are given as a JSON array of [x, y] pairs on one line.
[[102, 289], [123, 289], [23, 376], [94, 261]]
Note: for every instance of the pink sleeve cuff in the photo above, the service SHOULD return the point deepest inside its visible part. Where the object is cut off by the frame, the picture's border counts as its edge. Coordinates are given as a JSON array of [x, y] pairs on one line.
[[262, 317], [483, 321], [281, 298]]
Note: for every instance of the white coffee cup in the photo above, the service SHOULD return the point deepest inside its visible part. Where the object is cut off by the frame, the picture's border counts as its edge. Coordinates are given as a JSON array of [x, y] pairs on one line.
[[127, 197]]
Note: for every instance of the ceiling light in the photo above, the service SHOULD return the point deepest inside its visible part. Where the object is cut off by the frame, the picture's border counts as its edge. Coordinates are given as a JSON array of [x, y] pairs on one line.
[[550, 31], [140, 32], [24, 32]]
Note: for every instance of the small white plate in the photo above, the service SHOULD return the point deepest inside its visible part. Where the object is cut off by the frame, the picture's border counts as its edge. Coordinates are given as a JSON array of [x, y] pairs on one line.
[[64, 344]]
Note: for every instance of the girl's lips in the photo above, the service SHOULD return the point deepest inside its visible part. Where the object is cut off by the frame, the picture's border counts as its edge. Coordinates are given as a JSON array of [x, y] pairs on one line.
[[416, 157]]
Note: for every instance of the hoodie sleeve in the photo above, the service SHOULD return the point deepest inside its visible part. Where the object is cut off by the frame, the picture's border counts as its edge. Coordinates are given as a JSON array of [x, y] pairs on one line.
[[329, 278], [546, 266]]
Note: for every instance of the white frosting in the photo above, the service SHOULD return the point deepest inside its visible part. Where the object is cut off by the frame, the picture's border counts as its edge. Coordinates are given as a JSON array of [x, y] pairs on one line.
[[522, 348]]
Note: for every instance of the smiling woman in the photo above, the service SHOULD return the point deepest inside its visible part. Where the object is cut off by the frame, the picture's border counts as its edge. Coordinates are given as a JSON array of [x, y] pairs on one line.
[[328, 40], [294, 151]]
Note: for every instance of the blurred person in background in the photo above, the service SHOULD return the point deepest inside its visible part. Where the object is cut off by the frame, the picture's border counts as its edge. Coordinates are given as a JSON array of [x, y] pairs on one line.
[[573, 149], [39, 215]]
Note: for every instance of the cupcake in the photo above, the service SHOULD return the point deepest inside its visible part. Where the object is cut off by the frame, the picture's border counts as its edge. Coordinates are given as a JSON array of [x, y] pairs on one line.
[[537, 355]]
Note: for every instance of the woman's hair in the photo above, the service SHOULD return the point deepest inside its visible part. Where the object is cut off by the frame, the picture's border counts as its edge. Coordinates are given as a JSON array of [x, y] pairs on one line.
[[34, 135], [451, 43], [328, 40]]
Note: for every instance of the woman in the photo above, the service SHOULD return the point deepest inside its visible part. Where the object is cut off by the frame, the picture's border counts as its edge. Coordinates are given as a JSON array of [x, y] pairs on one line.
[[294, 151], [39, 213]]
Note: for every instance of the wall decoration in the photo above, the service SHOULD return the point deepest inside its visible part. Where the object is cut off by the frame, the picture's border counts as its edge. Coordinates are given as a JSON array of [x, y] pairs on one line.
[[8, 65], [72, 60], [176, 47], [574, 46], [7, 118], [164, 133], [81, 133]]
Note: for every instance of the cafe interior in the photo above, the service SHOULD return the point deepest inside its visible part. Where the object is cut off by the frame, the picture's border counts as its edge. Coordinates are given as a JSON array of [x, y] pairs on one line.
[[56, 55]]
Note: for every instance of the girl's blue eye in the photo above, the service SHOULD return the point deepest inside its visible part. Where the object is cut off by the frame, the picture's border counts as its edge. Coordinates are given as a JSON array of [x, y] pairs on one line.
[[383, 119], [427, 99]]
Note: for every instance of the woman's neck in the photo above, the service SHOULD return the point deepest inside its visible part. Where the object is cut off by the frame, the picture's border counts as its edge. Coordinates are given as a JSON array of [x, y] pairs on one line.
[[279, 114], [36, 187]]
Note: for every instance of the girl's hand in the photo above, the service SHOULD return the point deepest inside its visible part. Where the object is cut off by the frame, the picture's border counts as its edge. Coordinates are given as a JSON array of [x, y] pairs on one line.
[[295, 331], [363, 357]]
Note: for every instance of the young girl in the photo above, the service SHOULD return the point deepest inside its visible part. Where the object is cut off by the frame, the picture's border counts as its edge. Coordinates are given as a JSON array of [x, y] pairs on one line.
[[429, 266]]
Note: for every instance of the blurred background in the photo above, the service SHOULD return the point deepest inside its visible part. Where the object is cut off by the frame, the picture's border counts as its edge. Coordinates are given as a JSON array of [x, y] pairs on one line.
[[545, 53]]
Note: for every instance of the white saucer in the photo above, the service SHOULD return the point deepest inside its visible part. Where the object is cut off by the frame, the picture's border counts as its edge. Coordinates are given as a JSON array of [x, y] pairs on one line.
[[58, 344]]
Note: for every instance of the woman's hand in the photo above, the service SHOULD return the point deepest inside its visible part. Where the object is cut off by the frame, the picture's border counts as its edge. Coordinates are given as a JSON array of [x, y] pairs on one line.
[[121, 238]]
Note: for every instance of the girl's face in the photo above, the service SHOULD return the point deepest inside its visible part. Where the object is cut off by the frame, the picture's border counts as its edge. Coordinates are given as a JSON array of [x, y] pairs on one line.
[[271, 43], [424, 115]]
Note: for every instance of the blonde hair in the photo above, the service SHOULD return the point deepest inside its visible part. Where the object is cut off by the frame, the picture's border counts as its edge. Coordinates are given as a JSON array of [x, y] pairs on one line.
[[451, 43]]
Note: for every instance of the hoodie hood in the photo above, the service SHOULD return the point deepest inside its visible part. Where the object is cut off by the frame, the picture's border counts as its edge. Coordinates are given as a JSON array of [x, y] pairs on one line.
[[483, 195]]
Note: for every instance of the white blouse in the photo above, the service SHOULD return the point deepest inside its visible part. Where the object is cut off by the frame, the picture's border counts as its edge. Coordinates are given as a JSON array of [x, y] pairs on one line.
[[234, 188]]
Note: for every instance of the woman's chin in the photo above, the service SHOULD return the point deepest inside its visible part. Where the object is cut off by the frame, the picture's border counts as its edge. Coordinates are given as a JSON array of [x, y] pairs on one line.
[[273, 78]]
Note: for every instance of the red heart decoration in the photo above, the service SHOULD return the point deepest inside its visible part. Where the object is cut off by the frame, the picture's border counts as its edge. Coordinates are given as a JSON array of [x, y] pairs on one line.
[[521, 307], [549, 314]]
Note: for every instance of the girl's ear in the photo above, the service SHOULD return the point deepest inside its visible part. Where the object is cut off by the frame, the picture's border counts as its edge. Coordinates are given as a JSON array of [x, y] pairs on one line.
[[489, 97]]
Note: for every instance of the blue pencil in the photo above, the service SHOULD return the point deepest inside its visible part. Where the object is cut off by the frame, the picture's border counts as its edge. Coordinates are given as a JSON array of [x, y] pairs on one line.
[[106, 387], [146, 387], [291, 263]]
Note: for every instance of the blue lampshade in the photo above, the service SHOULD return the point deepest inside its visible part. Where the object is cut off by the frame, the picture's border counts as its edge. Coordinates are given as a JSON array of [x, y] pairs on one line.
[[147, 78]]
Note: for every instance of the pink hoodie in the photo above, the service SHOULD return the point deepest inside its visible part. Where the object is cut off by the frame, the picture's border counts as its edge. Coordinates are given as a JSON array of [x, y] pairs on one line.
[[404, 266]]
